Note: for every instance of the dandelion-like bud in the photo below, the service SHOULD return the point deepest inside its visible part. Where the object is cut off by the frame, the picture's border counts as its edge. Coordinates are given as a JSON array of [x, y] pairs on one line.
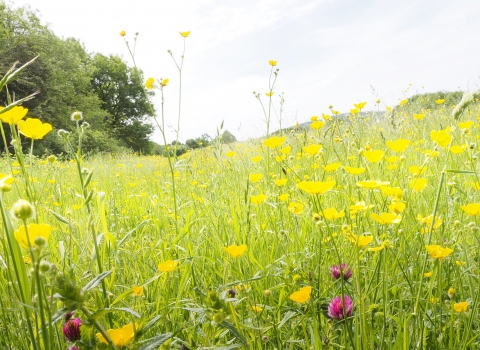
[[335, 308], [76, 116], [71, 329], [51, 158], [85, 125], [23, 210], [63, 133], [337, 274]]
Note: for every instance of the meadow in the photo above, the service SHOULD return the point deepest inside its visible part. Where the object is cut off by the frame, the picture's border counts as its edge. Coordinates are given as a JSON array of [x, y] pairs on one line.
[[355, 232]]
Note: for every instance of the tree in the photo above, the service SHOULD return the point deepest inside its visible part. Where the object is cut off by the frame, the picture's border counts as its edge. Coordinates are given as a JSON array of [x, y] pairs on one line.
[[120, 89], [61, 74], [228, 137], [191, 143]]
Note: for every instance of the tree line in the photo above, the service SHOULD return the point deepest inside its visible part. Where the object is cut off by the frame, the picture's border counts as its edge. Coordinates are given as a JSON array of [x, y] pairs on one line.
[[70, 79]]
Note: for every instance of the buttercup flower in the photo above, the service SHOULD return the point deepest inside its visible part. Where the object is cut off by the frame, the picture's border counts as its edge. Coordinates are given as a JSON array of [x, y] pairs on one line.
[[236, 251], [460, 307], [336, 273], [273, 63], [312, 149], [123, 33], [259, 199], [302, 296], [295, 208], [149, 83], [399, 145], [33, 128], [335, 308], [386, 218], [274, 141], [137, 291], [121, 336], [438, 252], [332, 214], [317, 125], [14, 115], [471, 209], [255, 177], [354, 171], [374, 156], [185, 34], [168, 266], [34, 231], [316, 187], [441, 137]]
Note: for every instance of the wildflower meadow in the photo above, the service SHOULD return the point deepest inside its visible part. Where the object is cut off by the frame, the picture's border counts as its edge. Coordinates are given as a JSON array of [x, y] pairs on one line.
[[357, 230]]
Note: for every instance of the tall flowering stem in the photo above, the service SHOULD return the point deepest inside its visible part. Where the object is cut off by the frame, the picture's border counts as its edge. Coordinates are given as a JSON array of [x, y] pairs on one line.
[[161, 126]]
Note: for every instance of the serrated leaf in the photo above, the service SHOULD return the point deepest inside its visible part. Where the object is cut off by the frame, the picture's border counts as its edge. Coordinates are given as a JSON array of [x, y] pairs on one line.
[[60, 314], [235, 332], [97, 280], [155, 342], [288, 315], [151, 323]]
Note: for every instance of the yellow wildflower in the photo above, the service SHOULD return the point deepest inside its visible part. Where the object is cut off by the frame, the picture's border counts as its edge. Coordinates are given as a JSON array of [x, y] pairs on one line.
[[259, 199], [302, 296], [34, 231], [316, 187], [168, 266], [120, 337], [236, 251], [438, 252]]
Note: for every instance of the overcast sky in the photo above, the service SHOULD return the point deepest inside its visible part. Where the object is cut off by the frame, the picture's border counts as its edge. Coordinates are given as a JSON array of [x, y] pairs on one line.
[[336, 52]]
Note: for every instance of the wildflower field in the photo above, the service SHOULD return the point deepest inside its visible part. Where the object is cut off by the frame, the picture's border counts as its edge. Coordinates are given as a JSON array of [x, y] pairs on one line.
[[355, 232]]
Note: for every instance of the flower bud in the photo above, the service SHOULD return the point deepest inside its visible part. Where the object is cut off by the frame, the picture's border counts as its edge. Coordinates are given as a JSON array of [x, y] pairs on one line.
[[267, 292], [219, 317], [51, 158], [39, 241], [23, 210], [76, 116], [44, 266], [6, 187]]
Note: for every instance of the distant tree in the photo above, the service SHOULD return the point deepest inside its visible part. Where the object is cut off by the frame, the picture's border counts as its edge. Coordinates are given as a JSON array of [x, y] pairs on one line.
[[191, 143], [228, 137], [120, 89]]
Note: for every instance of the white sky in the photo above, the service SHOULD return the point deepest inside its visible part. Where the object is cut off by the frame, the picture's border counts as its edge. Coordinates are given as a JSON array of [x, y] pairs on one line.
[[328, 52]]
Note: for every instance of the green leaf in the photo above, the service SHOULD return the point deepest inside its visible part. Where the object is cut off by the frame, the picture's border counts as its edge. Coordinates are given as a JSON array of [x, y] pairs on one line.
[[59, 315], [96, 281], [130, 232], [155, 342], [455, 171], [235, 332], [60, 217]]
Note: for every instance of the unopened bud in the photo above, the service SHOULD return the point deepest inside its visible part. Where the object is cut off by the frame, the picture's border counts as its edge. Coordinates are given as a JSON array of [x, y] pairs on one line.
[[44, 266], [23, 210], [76, 116], [39, 241]]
